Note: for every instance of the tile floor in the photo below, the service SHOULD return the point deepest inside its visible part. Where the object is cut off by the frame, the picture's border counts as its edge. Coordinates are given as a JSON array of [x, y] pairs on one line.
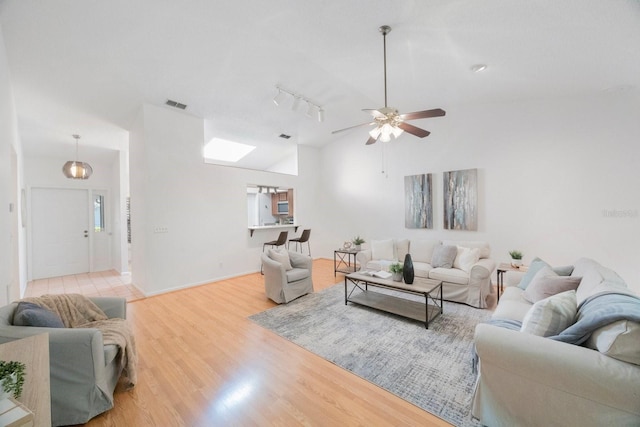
[[102, 283]]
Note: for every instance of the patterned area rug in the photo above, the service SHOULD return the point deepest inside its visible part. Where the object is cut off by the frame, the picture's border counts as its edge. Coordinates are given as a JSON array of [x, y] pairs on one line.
[[429, 368]]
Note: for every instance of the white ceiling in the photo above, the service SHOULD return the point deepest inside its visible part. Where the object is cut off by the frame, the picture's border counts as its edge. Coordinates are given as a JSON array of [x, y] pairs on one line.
[[86, 66]]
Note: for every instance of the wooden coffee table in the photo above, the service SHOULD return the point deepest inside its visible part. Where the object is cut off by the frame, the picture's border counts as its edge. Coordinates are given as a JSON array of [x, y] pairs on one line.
[[423, 312]]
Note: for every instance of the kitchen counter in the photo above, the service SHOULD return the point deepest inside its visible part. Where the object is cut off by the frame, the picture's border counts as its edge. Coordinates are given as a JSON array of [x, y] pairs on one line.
[[271, 227]]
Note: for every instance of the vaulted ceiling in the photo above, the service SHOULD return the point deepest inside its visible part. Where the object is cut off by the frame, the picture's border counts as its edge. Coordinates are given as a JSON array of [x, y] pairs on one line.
[[87, 66]]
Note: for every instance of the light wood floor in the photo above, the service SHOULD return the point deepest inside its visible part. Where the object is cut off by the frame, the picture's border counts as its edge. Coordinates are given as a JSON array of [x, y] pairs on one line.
[[204, 363]]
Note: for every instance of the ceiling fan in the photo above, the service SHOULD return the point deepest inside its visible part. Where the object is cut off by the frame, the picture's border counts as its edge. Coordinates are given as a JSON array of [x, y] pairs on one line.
[[387, 120]]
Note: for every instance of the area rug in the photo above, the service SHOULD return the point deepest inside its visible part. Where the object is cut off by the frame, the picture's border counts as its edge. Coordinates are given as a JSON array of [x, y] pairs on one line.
[[430, 368]]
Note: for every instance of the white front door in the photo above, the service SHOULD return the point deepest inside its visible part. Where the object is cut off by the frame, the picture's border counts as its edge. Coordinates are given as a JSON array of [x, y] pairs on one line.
[[60, 232]]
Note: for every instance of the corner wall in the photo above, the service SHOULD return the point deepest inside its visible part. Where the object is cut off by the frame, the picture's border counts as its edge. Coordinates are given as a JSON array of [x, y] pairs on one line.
[[550, 174]]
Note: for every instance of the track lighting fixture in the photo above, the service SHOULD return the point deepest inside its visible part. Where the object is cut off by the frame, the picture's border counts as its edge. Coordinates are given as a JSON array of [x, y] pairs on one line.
[[313, 111], [280, 97]]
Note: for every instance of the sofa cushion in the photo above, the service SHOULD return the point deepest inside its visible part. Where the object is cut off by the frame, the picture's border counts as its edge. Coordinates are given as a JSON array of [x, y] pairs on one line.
[[443, 256], [421, 269], [30, 314], [550, 316], [422, 250], [620, 340], [547, 283], [451, 275], [466, 258], [281, 256], [483, 247], [382, 249]]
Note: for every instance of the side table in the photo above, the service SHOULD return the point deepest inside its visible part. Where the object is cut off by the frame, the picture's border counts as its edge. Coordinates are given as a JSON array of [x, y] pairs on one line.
[[503, 268], [342, 261]]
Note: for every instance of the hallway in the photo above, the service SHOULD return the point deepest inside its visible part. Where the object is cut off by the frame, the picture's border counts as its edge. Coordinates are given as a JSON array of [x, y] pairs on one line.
[[98, 284]]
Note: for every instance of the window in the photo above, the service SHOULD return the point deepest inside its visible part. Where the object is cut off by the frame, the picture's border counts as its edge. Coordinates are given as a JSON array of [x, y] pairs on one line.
[[98, 213]]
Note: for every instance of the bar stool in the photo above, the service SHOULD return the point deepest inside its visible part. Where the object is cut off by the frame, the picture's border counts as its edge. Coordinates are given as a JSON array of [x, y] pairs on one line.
[[302, 239], [282, 240]]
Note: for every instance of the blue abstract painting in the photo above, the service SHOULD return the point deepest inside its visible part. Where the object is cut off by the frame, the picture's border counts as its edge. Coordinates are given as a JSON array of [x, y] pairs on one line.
[[461, 200], [418, 201]]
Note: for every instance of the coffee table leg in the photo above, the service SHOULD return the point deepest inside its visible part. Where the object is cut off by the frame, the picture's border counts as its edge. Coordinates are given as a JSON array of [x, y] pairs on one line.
[[345, 290]]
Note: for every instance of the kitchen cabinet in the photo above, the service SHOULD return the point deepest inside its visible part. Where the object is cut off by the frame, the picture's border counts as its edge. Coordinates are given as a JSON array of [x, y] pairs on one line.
[[285, 196]]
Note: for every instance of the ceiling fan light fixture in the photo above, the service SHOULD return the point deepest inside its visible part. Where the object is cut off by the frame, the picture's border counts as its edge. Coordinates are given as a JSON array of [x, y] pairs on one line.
[[74, 169]]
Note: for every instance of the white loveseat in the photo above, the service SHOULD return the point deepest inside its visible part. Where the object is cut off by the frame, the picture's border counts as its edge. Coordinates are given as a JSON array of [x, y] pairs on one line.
[[468, 283], [529, 380]]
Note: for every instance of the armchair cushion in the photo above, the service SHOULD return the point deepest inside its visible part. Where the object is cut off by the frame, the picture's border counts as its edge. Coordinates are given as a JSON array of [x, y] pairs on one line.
[[282, 256], [30, 314]]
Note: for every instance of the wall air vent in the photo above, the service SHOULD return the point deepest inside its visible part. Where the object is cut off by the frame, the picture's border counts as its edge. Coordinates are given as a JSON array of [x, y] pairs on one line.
[[285, 136], [175, 104]]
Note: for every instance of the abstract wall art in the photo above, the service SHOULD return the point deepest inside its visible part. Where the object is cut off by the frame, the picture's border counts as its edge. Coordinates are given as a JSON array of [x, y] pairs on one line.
[[418, 201], [460, 190]]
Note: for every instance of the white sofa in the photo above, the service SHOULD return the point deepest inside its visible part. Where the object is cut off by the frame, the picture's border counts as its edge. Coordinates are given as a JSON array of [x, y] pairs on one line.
[[470, 284], [530, 380]]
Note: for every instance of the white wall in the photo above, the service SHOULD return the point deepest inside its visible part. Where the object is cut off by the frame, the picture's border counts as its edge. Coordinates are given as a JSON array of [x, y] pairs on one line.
[[202, 206], [11, 261], [547, 169]]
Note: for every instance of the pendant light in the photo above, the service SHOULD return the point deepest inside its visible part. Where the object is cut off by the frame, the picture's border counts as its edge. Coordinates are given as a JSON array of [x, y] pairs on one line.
[[75, 169]]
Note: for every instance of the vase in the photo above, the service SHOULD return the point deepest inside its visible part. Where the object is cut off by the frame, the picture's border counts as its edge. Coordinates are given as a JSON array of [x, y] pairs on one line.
[[397, 277], [407, 269], [358, 247], [516, 262]]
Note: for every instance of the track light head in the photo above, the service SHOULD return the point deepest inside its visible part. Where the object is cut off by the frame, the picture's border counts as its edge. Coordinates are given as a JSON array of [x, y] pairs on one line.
[[280, 97]]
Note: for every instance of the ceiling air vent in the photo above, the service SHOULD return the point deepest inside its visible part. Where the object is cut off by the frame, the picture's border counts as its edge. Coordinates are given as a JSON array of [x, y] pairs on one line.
[[175, 104], [285, 136]]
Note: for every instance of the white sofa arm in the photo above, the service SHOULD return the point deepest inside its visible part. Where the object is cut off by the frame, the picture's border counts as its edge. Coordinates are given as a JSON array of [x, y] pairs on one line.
[[363, 257], [531, 380], [482, 269]]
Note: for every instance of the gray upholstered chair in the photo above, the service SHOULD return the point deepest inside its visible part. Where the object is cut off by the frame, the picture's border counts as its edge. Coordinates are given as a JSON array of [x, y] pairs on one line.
[[83, 371], [282, 285]]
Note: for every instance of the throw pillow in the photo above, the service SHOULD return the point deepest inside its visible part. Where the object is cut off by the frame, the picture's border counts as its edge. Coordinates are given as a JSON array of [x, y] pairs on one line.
[[618, 340], [30, 314], [533, 269], [281, 256], [547, 283], [563, 270], [402, 246], [443, 256], [382, 249], [466, 258], [550, 316]]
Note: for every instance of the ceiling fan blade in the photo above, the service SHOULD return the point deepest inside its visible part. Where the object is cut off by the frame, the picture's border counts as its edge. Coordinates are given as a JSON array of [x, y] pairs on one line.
[[352, 127], [413, 130], [423, 114], [371, 140], [375, 113]]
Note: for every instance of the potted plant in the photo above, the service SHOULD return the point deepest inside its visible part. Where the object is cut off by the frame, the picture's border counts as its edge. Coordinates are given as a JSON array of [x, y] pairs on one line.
[[516, 258], [11, 378], [357, 241], [396, 271]]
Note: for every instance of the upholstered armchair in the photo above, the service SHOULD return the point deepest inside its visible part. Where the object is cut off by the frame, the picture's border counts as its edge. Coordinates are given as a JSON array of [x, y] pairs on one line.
[[281, 283], [83, 371]]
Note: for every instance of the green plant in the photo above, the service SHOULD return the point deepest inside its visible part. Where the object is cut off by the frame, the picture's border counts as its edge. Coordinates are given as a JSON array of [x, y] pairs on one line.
[[396, 267], [358, 240], [12, 377], [516, 254]]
